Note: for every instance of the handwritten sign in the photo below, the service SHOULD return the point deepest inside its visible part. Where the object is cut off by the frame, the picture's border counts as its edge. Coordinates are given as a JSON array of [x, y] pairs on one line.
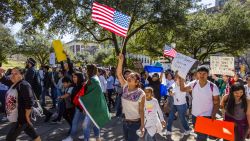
[[52, 59], [222, 65], [58, 47], [182, 64]]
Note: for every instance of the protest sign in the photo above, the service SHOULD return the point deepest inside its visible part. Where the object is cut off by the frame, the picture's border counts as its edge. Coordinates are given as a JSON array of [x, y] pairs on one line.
[[58, 47], [222, 65], [216, 128], [52, 59], [182, 64]]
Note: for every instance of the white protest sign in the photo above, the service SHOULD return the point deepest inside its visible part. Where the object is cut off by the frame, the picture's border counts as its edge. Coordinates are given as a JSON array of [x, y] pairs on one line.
[[182, 64], [222, 65], [52, 59]]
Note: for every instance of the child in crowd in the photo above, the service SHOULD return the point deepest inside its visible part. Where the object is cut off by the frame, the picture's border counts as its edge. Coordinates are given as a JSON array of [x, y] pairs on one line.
[[67, 109], [237, 111], [154, 121]]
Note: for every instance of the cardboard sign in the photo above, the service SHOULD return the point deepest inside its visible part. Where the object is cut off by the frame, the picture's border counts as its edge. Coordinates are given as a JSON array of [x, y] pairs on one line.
[[52, 59], [182, 64], [58, 47], [222, 65], [216, 128]]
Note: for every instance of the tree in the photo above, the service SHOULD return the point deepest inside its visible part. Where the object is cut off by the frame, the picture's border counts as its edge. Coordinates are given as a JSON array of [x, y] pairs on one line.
[[75, 16], [224, 32], [7, 43], [102, 54], [204, 34], [36, 45]]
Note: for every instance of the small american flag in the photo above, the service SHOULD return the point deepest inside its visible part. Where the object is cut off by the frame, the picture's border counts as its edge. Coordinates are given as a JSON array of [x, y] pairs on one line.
[[110, 19], [168, 51]]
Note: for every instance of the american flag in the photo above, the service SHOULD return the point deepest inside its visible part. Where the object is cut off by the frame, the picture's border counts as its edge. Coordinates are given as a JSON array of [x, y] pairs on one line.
[[110, 19], [168, 51]]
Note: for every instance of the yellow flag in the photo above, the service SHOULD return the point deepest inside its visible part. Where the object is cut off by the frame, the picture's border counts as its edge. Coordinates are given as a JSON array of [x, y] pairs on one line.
[[58, 47]]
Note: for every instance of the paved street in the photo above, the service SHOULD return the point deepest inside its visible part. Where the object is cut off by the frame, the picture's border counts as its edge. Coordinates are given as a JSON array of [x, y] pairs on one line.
[[112, 132]]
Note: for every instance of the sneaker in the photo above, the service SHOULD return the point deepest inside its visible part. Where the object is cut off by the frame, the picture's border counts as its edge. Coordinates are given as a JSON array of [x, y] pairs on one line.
[[69, 138], [168, 133], [187, 132], [81, 137]]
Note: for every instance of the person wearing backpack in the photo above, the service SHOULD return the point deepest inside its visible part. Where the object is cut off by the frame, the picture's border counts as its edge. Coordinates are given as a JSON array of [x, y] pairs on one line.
[[31, 76], [205, 95], [19, 102]]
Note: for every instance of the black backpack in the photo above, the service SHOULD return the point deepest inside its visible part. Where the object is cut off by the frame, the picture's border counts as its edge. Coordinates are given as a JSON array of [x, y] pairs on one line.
[[37, 87]]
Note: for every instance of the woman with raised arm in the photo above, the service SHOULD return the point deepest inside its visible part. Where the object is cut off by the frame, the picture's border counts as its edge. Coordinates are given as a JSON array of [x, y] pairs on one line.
[[133, 99]]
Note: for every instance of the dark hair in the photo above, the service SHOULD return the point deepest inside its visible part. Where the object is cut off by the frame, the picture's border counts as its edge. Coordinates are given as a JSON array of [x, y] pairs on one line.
[[168, 72], [91, 70], [22, 71], [202, 68], [138, 78], [156, 75], [80, 79], [127, 71], [31, 61], [66, 79], [231, 100]]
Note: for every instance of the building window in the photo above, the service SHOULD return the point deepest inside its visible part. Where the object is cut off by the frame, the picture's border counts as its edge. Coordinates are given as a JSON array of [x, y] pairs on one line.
[[72, 48]]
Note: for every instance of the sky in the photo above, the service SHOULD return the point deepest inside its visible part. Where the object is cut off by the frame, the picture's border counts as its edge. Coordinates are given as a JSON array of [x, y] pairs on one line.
[[68, 37]]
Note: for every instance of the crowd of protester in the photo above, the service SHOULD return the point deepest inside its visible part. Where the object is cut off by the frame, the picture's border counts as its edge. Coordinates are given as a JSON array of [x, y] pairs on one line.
[[134, 97]]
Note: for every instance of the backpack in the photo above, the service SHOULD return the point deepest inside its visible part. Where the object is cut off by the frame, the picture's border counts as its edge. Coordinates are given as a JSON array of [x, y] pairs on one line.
[[36, 109], [210, 83]]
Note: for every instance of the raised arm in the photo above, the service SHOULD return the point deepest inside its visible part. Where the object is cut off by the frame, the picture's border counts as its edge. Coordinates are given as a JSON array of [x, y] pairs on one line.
[[161, 76], [119, 70], [184, 88]]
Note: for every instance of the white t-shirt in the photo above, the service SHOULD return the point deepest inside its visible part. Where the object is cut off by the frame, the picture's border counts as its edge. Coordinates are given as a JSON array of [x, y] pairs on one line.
[[11, 105], [247, 91], [130, 103], [179, 96], [103, 82], [202, 103], [153, 116]]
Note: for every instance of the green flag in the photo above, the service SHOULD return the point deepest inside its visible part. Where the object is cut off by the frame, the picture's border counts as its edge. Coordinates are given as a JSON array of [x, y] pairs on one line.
[[94, 103]]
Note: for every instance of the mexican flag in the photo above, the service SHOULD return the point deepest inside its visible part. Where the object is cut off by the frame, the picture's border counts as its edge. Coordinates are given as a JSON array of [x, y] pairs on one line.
[[94, 104]]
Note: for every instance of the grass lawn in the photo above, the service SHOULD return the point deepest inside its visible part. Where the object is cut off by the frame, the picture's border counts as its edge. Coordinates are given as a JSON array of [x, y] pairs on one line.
[[12, 64]]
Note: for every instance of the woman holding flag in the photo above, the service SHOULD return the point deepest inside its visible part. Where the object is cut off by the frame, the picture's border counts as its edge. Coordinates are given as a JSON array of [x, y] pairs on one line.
[[133, 100]]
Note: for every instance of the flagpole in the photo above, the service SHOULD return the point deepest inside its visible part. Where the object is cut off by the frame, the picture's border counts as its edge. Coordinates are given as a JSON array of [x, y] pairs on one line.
[[124, 39]]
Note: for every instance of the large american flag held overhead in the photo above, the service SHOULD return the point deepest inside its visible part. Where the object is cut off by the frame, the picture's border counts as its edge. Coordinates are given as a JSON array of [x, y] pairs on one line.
[[110, 19], [168, 51]]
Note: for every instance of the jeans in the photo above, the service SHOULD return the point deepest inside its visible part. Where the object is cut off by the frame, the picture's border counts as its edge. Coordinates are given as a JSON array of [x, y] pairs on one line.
[[87, 125], [77, 120], [16, 129], [148, 137], [45, 91], [54, 96], [118, 105], [110, 100], [200, 137], [181, 109], [129, 130]]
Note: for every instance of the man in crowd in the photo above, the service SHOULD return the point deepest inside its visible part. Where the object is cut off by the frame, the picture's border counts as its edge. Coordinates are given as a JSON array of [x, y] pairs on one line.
[[205, 95]]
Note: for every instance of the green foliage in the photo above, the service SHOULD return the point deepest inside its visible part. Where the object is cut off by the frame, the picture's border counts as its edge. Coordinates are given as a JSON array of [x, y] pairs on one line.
[[225, 32], [36, 45], [7, 43], [75, 16]]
